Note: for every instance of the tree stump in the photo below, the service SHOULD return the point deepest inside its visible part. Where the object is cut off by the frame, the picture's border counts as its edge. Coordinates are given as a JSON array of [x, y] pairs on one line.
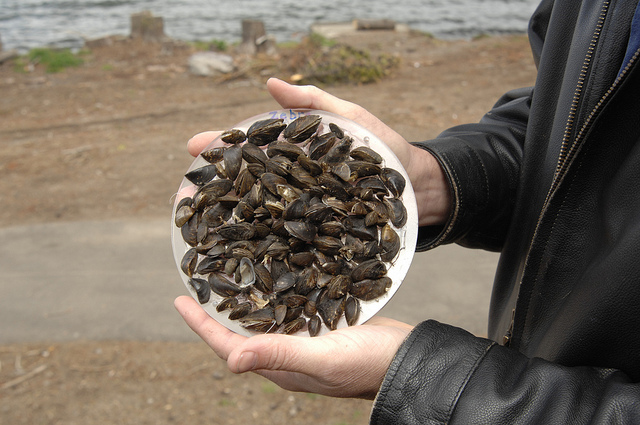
[[255, 39], [147, 27]]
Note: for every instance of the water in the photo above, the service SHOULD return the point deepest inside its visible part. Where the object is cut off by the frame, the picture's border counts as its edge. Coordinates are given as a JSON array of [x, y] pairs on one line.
[[66, 23]]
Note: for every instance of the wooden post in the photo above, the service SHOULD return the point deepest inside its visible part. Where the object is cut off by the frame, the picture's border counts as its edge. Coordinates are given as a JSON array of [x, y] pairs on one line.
[[254, 37], [147, 27]]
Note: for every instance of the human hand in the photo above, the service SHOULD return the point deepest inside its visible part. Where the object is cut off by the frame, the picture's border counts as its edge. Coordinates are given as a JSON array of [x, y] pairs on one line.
[[427, 178], [348, 362]]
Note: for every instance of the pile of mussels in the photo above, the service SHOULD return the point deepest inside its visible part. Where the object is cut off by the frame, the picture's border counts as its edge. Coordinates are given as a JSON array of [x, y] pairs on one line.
[[291, 228]]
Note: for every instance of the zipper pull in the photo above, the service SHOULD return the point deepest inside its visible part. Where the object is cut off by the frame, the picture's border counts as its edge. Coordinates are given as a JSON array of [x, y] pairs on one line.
[[506, 339]]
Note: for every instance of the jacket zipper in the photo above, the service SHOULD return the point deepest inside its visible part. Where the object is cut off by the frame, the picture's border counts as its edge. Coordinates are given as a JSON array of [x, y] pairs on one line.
[[568, 149]]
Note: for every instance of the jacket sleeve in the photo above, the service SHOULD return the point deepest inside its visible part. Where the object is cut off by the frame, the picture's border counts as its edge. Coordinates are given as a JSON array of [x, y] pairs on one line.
[[442, 374], [482, 164]]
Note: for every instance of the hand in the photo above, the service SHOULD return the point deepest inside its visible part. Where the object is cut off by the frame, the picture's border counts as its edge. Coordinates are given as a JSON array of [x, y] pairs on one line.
[[427, 178], [349, 362]]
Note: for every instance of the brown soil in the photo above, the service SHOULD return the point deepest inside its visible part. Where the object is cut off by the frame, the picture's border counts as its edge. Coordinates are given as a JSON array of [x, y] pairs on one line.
[[107, 140]]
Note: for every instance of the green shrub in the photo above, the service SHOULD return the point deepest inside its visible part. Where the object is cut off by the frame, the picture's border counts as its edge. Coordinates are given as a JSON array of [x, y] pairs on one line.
[[54, 60]]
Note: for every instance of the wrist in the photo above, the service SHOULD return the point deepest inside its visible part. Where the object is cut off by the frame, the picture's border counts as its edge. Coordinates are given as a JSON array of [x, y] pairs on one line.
[[431, 187]]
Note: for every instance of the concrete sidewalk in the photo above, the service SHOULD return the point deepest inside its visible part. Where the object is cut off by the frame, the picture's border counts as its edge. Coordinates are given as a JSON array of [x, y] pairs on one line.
[[118, 279]]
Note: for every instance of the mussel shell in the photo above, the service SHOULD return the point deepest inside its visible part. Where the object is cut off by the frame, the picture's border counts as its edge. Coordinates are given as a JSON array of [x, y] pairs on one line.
[[318, 213], [295, 209], [357, 228], [306, 281], [302, 258], [302, 128], [270, 181], [237, 231], [397, 212], [232, 158], [255, 195], [244, 212], [351, 310], [361, 169], [256, 169], [253, 154], [278, 251], [314, 325], [301, 230], [244, 182], [214, 155], [223, 286], [339, 152], [216, 215], [240, 311], [339, 286], [321, 145], [312, 166], [365, 153], [231, 266], [264, 281], [328, 244], [330, 310], [183, 214], [370, 289], [266, 131], [280, 312], [335, 129], [374, 183], [332, 228], [286, 149], [261, 320], [294, 325], [202, 175], [203, 291], [389, 243], [227, 304], [301, 178], [279, 165], [394, 181], [189, 262], [246, 272], [210, 192], [370, 269], [233, 136], [284, 282]]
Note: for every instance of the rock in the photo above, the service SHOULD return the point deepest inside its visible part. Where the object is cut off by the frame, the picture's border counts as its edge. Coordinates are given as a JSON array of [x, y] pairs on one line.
[[209, 64]]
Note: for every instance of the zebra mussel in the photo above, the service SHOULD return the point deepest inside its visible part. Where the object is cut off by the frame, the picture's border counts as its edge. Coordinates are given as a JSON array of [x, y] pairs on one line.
[[291, 227]]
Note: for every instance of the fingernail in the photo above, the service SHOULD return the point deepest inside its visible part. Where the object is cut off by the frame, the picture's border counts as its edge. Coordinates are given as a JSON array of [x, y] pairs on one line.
[[247, 361]]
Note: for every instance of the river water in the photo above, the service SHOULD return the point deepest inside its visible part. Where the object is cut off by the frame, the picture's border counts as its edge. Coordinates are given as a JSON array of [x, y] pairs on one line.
[[66, 23]]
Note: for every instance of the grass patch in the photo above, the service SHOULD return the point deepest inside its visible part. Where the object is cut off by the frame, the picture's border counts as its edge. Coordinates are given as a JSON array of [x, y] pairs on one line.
[[54, 60], [211, 45]]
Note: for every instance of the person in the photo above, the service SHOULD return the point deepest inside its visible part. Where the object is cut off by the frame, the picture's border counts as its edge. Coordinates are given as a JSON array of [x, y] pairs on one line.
[[549, 178]]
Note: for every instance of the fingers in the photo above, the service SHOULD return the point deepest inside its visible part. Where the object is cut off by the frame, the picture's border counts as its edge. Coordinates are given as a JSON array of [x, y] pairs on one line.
[[197, 143], [218, 337]]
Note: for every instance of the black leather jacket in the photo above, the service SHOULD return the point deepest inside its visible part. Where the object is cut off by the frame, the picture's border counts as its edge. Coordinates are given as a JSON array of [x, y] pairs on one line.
[[550, 177]]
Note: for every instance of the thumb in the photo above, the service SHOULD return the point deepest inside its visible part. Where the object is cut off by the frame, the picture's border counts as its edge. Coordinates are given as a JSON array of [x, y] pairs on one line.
[[310, 97]]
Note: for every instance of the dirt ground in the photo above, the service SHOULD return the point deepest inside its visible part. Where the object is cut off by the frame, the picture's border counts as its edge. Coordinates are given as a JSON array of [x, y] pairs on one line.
[[107, 140]]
